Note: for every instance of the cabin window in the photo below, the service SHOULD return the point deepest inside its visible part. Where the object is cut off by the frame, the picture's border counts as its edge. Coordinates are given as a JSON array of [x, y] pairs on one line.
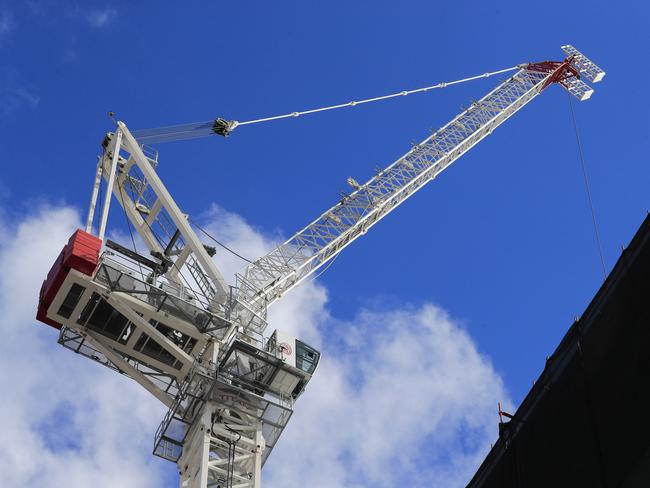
[[71, 300], [306, 357], [149, 347], [101, 317], [183, 341]]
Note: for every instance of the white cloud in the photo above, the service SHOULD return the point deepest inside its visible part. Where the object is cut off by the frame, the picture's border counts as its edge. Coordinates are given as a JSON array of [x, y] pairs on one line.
[[27, 96], [401, 398], [6, 23], [13, 97], [232, 230], [64, 421], [101, 18], [15, 93]]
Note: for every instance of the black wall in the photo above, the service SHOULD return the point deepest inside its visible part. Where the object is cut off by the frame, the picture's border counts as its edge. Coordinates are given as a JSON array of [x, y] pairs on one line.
[[586, 421]]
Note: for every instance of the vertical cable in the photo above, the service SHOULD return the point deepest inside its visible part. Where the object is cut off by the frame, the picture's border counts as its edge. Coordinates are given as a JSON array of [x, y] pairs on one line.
[[128, 224], [587, 188]]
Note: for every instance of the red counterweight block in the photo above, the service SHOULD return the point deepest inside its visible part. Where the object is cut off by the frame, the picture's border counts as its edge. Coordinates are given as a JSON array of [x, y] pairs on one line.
[[80, 253]]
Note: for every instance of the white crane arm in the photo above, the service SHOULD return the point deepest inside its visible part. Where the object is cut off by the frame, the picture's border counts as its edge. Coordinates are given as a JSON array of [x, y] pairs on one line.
[[269, 277]]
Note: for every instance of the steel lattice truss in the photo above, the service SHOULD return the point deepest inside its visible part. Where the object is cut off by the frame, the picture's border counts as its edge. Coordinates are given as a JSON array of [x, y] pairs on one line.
[[584, 65], [161, 225], [270, 276]]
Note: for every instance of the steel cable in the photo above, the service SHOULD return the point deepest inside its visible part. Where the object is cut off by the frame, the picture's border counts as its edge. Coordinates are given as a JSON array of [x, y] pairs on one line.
[[587, 187], [206, 128]]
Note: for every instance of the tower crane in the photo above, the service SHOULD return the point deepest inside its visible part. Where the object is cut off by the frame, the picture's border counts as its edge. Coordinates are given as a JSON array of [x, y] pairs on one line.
[[170, 321]]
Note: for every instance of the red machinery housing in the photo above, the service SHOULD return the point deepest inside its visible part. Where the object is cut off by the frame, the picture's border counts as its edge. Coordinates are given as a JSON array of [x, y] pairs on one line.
[[80, 253]]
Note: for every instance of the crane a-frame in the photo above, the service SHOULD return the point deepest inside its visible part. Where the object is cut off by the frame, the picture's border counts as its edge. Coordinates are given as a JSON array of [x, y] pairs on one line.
[[171, 322]]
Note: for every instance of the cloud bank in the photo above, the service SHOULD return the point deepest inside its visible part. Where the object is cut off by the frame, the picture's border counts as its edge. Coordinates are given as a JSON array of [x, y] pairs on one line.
[[65, 422], [402, 396]]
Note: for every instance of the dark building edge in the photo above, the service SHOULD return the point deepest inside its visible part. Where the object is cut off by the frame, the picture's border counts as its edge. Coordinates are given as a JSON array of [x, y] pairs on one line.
[[507, 465]]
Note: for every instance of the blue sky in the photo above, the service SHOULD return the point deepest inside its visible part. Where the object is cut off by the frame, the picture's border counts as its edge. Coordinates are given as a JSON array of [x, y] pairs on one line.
[[503, 241]]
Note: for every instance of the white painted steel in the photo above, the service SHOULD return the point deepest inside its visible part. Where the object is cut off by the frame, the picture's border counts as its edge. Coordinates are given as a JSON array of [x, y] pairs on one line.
[[222, 450], [585, 66], [222, 291], [93, 196], [578, 89], [270, 276], [116, 144], [128, 368]]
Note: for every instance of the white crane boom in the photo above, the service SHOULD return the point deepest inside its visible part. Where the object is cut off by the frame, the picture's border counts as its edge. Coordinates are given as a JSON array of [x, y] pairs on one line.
[[270, 276]]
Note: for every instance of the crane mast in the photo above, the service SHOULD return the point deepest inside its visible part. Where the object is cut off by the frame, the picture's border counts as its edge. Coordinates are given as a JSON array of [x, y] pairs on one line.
[[171, 322]]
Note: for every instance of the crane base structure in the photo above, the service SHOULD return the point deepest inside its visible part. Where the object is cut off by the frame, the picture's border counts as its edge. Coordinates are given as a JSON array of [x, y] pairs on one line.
[[167, 318]]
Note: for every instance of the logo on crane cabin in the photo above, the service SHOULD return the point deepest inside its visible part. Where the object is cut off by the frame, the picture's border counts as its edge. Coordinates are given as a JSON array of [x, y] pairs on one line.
[[284, 346], [285, 349]]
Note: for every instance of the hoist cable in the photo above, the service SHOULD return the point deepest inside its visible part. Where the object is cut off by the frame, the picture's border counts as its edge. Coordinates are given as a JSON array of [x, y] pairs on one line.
[[135, 249], [174, 264], [322, 271], [250, 261], [128, 224], [583, 166], [218, 242], [224, 127]]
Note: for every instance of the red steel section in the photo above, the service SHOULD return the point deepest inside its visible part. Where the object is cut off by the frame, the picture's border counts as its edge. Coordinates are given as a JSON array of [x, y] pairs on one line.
[[80, 253], [561, 70]]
